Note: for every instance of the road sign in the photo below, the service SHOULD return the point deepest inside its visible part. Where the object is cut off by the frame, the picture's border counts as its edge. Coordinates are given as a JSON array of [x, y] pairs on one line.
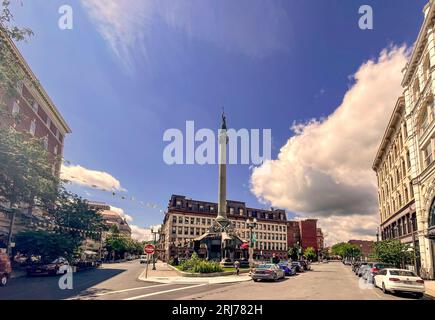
[[149, 248]]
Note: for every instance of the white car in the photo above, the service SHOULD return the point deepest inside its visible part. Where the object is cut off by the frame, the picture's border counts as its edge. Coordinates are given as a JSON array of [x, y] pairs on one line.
[[393, 280], [143, 259]]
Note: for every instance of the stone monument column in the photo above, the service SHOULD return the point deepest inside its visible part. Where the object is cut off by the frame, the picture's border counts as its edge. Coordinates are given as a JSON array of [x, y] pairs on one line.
[[222, 218]]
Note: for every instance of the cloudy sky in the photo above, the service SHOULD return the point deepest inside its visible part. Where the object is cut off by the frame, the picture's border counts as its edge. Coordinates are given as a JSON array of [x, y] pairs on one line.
[[131, 69]]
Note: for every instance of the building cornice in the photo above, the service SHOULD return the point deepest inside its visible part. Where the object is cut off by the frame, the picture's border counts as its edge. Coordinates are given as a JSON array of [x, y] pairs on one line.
[[419, 44], [389, 131], [32, 77]]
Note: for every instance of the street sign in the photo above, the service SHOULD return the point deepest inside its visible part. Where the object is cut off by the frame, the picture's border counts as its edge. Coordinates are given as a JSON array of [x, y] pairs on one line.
[[149, 249]]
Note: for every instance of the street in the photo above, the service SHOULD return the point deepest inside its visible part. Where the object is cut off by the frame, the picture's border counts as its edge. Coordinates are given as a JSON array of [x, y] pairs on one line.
[[332, 281]]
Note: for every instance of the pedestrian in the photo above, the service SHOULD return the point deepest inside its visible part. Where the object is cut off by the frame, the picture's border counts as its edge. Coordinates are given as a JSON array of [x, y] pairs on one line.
[[176, 262], [237, 266]]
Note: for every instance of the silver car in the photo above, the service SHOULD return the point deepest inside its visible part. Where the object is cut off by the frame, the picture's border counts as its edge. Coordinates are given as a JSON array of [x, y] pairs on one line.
[[268, 272]]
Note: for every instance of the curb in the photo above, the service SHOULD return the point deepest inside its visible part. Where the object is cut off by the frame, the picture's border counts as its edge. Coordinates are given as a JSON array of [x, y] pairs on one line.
[[193, 280], [204, 275]]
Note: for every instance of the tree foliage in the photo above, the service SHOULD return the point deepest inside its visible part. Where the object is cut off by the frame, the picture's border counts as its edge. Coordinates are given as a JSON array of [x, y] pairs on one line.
[[346, 250], [392, 252], [310, 253], [48, 245], [75, 217], [25, 170]]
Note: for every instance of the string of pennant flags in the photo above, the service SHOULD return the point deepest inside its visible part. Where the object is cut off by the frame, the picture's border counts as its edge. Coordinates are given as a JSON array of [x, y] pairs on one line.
[[52, 226], [113, 192]]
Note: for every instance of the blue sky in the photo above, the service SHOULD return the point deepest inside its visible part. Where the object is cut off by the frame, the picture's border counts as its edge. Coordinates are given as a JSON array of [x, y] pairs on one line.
[[129, 70]]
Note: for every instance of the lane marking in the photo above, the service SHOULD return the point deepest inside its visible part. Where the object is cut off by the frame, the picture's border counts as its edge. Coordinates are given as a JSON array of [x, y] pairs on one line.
[[131, 289], [165, 291]]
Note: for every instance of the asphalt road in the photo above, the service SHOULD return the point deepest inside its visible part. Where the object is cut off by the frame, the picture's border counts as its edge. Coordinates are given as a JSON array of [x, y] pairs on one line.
[[332, 281]]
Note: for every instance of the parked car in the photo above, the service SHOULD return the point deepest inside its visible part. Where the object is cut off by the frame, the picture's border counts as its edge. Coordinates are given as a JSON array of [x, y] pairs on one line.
[[395, 280], [267, 272], [305, 265], [357, 266], [289, 269], [298, 265], [325, 261], [363, 268], [143, 259], [5, 269], [376, 267], [51, 268]]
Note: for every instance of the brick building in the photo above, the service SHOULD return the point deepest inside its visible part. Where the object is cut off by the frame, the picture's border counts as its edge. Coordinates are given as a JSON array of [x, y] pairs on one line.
[[187, 219], [30, 111], [365, 246]]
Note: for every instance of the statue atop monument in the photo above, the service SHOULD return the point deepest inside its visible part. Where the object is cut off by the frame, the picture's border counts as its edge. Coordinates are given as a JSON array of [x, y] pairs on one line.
[[224, 121]]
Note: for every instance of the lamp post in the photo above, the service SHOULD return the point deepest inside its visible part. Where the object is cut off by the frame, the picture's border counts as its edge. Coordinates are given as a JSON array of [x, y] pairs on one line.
[[251, 224], [154, 231]]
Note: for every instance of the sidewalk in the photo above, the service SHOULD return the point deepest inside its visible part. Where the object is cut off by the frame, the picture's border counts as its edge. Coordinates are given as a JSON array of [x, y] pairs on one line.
[[430, 288], [164, 274]]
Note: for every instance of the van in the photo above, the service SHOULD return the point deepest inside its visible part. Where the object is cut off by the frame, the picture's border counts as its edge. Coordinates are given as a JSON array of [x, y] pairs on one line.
[[5, 269]]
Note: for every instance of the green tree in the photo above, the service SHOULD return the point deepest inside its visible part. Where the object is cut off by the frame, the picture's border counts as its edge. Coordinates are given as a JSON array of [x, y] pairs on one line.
[[25, 170], [310, 253], [392, 252], [346, 250], [74, 217], [293, 252], [48, 245]]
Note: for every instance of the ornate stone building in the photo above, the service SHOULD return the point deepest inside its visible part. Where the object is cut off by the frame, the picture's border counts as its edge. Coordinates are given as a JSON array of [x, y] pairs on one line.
[[415, 113]]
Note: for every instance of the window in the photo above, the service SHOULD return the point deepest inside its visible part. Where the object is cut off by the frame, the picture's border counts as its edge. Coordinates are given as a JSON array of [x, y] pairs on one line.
[[48, 122], [186, 220], [192, 220], [428, 155], [180, 230], [212, 209], [203, 221], [180, 219], [174, 219], [208, 221], [186, 231], [231, 210], [45, 142], [432, 214], [174, 230], [20, 86], [241, 211], [32, 127], [16, 109], [35, 106], [55, 149], [178, 203]]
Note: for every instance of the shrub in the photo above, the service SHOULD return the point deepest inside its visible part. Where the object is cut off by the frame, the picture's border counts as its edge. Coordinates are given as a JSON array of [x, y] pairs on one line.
[[196, 265]]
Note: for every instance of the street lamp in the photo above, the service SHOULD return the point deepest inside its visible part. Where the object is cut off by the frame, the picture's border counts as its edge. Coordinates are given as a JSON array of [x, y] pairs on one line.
[[251, 224], [154, 231]]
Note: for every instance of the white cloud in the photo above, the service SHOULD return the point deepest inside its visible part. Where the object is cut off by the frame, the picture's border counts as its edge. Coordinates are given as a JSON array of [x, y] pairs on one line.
[[142, 234], [121, 213], [254, 28], [324, 170], [90, 178]]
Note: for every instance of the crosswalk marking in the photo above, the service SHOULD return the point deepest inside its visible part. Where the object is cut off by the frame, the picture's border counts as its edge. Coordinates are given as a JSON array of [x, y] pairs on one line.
[[165, 291]]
